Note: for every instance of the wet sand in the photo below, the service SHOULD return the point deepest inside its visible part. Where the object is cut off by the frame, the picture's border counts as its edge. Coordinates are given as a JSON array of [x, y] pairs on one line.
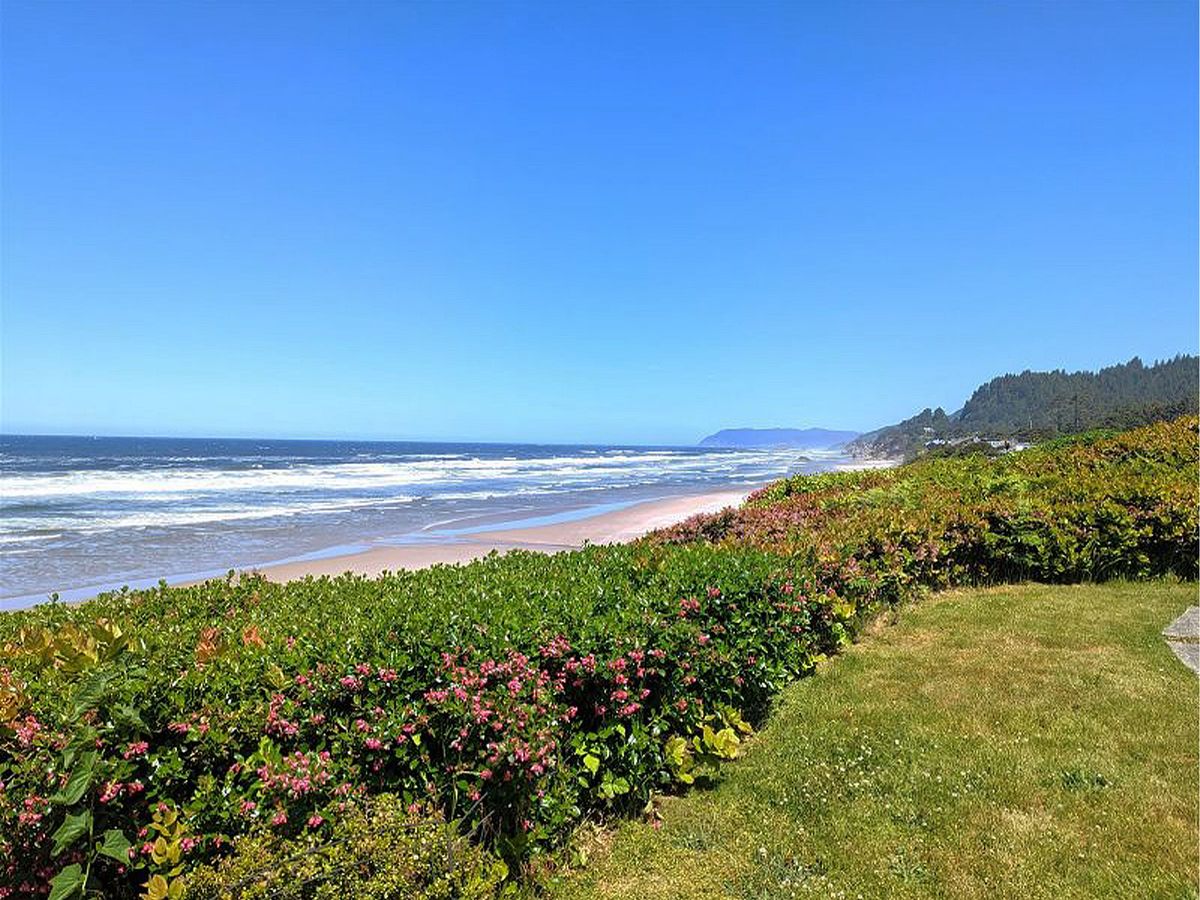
[[604, 528]]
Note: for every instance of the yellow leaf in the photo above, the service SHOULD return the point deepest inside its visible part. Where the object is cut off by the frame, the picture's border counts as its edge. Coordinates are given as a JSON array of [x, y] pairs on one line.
[[156, 888], [159, 853]]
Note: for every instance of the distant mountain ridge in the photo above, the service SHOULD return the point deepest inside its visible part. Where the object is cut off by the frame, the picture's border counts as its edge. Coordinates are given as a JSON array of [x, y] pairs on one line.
[[1035, 406], [772, 438]]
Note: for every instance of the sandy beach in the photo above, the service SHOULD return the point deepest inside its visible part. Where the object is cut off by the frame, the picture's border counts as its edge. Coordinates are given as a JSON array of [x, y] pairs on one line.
[[603, 528]]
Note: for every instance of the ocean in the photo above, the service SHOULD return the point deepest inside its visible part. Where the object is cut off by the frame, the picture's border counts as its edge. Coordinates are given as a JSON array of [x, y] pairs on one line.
[[81, 514]]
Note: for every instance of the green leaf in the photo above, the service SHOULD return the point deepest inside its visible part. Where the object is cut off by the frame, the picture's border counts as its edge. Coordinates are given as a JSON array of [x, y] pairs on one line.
[[115, 846], [275, 676], [73, 827], [67, 883], [89, 693], [77, 784], [127, 715], [591, 763]]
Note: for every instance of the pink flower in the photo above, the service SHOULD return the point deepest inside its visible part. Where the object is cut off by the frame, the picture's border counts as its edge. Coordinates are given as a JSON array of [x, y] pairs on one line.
[[315, 821], [137, 748], [29, 817], [27, 729]]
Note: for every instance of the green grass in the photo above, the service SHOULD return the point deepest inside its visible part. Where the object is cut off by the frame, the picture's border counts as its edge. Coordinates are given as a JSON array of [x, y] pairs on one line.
[[1017, 742]]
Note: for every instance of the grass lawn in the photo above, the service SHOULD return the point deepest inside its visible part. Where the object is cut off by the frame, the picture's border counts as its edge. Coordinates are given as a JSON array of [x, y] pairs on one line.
[[1023, 741]]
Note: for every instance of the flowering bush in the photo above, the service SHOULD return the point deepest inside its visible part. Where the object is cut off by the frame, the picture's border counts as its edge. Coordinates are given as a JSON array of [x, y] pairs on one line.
[[144, 733], [516, 694], [1086, 508]]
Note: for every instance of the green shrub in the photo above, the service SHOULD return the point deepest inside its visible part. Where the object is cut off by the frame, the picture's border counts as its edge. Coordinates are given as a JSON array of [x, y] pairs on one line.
[[1085, 508], [378, 852]]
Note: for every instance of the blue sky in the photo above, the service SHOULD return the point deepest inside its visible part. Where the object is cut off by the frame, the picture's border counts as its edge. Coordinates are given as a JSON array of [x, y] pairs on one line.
[[582, 222]]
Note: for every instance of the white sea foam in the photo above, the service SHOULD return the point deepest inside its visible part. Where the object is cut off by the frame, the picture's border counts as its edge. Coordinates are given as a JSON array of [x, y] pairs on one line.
[[442, 471], [12, 526], [90, 502], [28, 538]]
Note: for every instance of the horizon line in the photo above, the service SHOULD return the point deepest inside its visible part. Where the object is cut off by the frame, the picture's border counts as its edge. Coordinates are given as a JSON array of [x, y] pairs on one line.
[[5, 433]]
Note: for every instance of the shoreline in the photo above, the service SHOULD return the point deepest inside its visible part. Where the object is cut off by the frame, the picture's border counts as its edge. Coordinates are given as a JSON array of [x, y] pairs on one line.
[[565, 530], [613, 526], [570, 529]]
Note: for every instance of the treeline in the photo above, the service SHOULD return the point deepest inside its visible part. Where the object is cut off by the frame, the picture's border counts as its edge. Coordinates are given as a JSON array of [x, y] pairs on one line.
[[1038, 406]]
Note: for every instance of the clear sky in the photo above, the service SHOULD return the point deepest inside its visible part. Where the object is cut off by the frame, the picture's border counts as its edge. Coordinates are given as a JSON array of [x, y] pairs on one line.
[[609, 222]]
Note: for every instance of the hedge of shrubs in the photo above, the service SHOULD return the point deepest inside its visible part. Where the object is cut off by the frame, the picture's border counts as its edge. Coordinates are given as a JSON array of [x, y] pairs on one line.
[[152, 740], [1088, 508]]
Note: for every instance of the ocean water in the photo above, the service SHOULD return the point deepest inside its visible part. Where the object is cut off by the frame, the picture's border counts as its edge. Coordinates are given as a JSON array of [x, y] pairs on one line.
[[81, 514]]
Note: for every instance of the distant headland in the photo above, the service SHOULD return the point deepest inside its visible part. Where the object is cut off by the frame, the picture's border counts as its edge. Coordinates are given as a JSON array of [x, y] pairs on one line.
[[774, 438]]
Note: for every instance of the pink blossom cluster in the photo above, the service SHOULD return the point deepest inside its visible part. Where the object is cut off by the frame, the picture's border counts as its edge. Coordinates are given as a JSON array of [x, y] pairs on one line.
[[136, 748], [27, 729]]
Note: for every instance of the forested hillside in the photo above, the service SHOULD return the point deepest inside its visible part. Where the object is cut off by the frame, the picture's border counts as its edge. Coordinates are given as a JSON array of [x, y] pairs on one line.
[[1035, 406]]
